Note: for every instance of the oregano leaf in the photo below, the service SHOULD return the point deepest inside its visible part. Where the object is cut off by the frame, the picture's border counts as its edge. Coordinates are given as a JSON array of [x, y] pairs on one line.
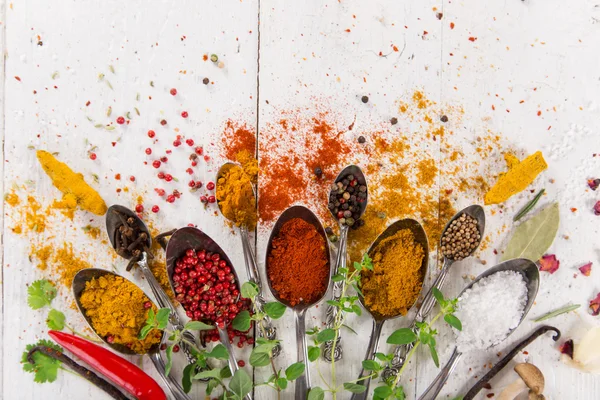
[[241, 322], [275, 309], [402, 336]]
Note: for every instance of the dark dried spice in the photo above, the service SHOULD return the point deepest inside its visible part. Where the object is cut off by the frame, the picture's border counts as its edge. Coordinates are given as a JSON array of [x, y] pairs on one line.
[[205, 81], [365, 99], [567, 348], [394, 121], [594, 183], [361, 139], [444, 118]]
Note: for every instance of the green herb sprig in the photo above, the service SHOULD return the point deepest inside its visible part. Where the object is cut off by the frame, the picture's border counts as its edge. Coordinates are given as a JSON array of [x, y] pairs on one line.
[[529, 206]]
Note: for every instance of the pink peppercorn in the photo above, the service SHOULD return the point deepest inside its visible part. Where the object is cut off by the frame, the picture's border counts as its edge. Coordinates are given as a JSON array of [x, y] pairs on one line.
[[210, 185], [190, 142], [211, 199], [168, 178], [177, 143], [155, 209], [139, 208], [173, 92], [164, 159], [92, 156], [156, 164], [151, 133], [148, 151], [184, 114], [189, 171], [199, 150], [120, 120], [132, 178], [170, 198]]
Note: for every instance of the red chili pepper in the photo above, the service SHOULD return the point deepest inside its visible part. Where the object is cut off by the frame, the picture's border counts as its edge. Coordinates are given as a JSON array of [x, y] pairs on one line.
[[116, 369]]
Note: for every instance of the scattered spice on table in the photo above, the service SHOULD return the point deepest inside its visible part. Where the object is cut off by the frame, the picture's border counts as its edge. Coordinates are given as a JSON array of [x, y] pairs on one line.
[[117, 310], [297, 265], [461, 238], [76, 191], [208, 290], [520, 174], [397, 277], [484, 322], [347, 200], [235, 197]]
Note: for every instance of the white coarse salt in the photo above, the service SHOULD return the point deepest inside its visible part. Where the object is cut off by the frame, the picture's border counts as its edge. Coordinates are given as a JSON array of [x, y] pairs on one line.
[[490, 309]]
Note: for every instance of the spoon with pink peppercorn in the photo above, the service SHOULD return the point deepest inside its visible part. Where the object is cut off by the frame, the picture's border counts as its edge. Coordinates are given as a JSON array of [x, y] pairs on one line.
[[206, 284]]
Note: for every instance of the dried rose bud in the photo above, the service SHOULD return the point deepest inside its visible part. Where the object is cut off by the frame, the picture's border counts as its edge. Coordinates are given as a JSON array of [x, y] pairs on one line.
[[586, 269], [567, 348], [549, 263], [594, 183]]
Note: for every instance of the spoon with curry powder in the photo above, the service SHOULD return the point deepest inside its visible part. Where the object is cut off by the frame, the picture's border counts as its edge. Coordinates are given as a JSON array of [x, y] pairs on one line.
[[300, 306], [411, 235], [130, 237], [244, 220], [79, 284], [354, 193], [189, 238], [472, 214]]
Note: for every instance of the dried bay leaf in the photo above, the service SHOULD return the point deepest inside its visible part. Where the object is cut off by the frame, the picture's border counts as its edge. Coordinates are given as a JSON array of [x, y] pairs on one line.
[[533, 237]]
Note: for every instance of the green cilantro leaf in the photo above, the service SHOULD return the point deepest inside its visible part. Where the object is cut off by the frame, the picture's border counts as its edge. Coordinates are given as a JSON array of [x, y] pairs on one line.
[[45, 368], [56, 320], [40, 294]]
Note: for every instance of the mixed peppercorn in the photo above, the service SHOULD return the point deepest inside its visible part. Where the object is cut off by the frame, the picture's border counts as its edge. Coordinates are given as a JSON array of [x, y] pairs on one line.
[[346, 200], [206, 287]]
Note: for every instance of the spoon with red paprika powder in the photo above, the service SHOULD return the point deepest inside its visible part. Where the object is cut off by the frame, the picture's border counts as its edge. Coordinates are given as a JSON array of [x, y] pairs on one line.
[[348, 197], [419, 238], [79, 284], [298, 273]]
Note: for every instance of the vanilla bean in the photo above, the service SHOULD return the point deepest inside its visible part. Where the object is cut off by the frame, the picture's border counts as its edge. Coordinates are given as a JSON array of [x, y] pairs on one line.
[[508, 357], [79, 369]]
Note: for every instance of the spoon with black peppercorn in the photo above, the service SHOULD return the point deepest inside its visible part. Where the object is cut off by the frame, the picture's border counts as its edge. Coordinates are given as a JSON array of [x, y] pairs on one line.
[[420, 238], [79, 284], [249, 258], [193, 240], [131, 239], [454, 246], [348, 199]]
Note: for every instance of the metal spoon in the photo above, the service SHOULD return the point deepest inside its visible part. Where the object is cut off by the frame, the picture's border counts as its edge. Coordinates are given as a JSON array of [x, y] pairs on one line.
[[250, 261], [79, 281], [113, 221], [193, 238], [401, 352], [530, 274], [420, 237], [303, 382], [340, 261]]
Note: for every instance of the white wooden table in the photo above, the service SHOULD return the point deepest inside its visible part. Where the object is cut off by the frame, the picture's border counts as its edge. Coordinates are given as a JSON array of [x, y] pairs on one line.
[[524, 57]]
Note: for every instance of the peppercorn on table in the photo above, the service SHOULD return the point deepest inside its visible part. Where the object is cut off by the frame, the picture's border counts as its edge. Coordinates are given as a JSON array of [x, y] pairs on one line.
[[435, 101]]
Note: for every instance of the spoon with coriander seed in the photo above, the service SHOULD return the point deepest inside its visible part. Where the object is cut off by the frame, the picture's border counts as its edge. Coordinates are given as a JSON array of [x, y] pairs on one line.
[[236, 199], [348, 198], [206, 284], [131, 239], [403, 246], [460, 239], [81, 283]]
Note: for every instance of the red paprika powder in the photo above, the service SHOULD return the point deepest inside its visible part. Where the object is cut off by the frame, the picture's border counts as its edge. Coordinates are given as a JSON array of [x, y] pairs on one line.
[[297, 264]]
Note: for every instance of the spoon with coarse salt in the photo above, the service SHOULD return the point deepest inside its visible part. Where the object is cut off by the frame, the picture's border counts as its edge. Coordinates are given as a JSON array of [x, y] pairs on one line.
[[530, 276], [420, 238], [470, 214], [249, 258], [337, 187]]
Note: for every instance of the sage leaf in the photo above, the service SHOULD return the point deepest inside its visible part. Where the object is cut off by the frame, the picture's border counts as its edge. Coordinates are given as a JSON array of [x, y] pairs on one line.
[[533, 237]]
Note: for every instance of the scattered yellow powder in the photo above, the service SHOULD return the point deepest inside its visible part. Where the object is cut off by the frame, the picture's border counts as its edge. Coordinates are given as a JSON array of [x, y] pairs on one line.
[[11, 199], [67, 264], [92, 231], [42, 254], [427, 172], [249, 164], [34, 219]]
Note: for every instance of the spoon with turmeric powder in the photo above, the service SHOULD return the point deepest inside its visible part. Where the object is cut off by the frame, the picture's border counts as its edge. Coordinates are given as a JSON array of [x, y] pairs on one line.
[[400, 257], [348, 198], [236, 198], [460, 239], [89, 279]]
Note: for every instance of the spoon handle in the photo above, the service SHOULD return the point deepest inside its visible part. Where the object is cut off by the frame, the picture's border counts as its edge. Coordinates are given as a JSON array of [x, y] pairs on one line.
[[172, 384], [371, 349], [164, 302], [303, 382], [431, 393], [233, 365], [338, 288], [254, 276]]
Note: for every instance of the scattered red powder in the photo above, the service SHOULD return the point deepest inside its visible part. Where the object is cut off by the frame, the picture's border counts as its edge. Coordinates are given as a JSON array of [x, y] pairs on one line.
[[237, 137]]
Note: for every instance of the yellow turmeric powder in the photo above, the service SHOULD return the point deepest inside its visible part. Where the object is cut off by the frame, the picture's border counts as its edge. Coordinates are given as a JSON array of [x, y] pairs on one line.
[[11, 199], [42, 254], [236, 197], [397, 277], [67, 264], [73, 186], [117, 310], [520, 174], [249, 164]]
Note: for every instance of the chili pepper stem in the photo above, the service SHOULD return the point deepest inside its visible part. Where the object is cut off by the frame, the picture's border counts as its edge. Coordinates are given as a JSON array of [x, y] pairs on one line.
[[83, 335]]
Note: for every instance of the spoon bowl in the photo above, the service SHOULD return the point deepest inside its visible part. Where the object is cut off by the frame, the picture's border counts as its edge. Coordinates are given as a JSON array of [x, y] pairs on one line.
[[531, 275], [341, 259], [475, 211], [79, 283], [420, 237], [303, 382], [114, 217]]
